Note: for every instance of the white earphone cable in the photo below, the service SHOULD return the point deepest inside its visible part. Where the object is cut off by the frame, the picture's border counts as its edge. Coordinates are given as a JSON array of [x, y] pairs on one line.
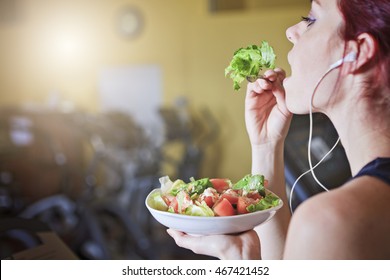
[[311, 168]]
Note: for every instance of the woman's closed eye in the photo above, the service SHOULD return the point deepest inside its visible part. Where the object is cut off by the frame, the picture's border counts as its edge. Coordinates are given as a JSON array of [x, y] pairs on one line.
[[308, 20]]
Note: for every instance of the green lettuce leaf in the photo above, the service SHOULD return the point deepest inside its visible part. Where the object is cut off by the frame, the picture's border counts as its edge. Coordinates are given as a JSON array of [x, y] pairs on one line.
[[249, 61], [177, 187], [268, 201], [251, 183], [196, 187], [199, 209], [157, 202]]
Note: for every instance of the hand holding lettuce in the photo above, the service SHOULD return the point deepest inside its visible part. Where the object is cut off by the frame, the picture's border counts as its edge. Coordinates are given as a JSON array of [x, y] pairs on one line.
[[250, 61]]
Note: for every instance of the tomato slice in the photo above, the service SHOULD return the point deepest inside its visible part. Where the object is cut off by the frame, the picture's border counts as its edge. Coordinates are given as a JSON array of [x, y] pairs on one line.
[[209, 201], [174, 205], [168, 198], [231, 195], [242, 203], [254, 195], [210, 196], [224, 208], [220, 184], [180, 202]]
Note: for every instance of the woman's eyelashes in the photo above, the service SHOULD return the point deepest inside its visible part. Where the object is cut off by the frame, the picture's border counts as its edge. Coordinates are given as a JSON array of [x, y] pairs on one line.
[[308, 20]]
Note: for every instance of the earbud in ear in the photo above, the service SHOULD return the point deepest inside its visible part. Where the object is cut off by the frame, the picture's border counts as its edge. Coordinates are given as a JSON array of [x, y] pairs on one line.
[[350, 57]]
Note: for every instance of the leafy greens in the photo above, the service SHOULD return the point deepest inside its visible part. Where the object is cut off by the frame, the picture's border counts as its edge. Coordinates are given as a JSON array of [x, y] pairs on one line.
[[249, 61]]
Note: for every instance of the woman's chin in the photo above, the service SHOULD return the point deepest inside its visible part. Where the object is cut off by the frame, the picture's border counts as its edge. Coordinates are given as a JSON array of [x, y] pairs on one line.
[[295, 105]]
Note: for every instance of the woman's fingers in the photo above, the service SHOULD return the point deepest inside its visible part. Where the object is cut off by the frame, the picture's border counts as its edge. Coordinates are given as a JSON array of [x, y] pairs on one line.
[[179, 237], [265, 84], [273, 75], [267, 81], [192, 243], [259, 86]]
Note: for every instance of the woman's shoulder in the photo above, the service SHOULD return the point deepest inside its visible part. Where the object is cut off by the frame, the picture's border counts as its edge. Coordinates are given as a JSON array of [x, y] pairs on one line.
[[350, 222], [364, 195]]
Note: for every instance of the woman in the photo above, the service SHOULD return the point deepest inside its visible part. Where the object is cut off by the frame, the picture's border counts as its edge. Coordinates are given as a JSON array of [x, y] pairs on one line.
[[350, 222]]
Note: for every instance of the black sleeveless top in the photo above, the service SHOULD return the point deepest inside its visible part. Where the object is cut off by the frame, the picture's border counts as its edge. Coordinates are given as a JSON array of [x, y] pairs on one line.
[[379, 168]]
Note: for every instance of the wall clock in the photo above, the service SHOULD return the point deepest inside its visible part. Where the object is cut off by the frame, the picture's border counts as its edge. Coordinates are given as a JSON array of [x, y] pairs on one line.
[[130, 22]]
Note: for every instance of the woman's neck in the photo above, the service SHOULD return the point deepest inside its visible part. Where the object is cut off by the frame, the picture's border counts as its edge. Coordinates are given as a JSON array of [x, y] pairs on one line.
[[364, 135]]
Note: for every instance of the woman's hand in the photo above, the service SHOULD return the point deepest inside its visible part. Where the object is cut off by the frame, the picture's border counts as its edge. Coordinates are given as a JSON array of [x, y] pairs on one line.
[[242, 246], [266, 115], [267, 121]]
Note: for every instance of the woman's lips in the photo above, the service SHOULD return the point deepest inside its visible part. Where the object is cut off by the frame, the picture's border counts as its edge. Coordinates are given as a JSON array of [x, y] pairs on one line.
[[288, 57], [285, 81]]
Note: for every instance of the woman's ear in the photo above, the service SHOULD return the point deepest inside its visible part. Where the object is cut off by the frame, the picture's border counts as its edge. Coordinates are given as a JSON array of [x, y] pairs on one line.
[[367, 47], [364, 47]]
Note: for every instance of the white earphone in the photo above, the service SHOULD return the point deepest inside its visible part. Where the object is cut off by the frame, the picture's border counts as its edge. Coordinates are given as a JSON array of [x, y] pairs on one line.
[[350, 57]]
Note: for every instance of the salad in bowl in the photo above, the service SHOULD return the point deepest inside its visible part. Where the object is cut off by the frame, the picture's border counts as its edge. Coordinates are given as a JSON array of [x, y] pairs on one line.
[[213, 206]]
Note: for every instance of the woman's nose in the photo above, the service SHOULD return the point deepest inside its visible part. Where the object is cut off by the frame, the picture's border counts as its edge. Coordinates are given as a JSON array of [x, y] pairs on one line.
[[291, 33]]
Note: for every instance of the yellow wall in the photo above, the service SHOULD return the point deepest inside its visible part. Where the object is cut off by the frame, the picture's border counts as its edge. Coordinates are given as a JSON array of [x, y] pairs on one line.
[[191, 45]]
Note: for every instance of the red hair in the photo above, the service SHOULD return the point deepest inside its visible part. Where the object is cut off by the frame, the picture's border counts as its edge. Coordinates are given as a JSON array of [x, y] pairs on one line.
[[372, 17]]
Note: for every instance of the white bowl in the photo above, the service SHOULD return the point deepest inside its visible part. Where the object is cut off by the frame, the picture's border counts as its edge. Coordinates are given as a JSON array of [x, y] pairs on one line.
[[196, 225]]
